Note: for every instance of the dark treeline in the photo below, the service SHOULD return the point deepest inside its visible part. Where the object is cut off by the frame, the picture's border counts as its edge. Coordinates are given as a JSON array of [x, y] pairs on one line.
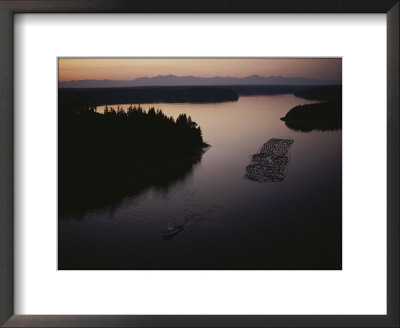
[[323, 116], [190, 94], [142, 95], [326, 93], [320, 116], [258, 90], [103, 157]]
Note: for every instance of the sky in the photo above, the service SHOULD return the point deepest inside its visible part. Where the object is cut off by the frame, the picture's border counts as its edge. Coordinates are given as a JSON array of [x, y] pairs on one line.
[[132, 68]]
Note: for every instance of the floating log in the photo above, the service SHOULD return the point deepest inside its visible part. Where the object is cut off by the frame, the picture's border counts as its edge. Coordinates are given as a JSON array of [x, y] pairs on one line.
[[270, 163]]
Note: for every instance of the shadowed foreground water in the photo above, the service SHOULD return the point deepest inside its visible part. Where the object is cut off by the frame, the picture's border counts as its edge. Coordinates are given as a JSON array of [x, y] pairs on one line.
[[230, 222]]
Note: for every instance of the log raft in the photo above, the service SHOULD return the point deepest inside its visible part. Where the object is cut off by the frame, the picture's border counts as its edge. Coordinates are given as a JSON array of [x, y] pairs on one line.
[[269, 164]]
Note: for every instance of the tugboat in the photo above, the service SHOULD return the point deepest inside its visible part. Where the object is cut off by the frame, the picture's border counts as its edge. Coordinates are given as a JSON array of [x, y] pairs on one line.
[[171, 230]]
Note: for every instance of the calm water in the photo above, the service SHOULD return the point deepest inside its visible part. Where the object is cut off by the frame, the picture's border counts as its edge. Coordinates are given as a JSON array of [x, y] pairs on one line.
[[230, 222]]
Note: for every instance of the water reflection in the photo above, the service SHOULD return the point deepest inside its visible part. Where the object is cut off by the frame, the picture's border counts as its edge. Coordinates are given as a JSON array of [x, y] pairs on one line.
[[313, 126], [109, 199]]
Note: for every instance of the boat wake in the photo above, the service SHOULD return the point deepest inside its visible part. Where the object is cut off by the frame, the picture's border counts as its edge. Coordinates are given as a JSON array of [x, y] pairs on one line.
[[173, 230]]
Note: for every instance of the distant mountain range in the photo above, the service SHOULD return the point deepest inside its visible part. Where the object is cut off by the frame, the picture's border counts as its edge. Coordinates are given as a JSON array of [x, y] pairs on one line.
[[173, 80]]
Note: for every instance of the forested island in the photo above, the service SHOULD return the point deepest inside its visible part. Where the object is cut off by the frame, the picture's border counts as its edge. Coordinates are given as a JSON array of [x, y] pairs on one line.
[[103, 157], [325, 115], [319, 116]]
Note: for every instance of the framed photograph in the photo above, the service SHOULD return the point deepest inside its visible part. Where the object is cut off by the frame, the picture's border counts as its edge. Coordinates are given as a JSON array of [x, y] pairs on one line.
[[211, 164], [163, 154]]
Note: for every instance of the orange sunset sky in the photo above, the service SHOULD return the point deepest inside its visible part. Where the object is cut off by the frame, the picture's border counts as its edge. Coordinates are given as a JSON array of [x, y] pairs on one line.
[[132, 68]]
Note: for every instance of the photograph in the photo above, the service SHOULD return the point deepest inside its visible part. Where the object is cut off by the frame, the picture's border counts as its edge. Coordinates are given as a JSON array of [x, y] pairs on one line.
[[199, 163]]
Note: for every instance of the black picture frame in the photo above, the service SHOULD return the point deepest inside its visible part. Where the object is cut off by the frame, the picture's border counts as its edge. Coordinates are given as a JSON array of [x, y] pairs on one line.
[[10, 7]]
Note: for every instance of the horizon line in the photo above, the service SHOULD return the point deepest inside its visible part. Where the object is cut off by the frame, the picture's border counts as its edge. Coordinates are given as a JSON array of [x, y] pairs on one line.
[[202, 77]]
